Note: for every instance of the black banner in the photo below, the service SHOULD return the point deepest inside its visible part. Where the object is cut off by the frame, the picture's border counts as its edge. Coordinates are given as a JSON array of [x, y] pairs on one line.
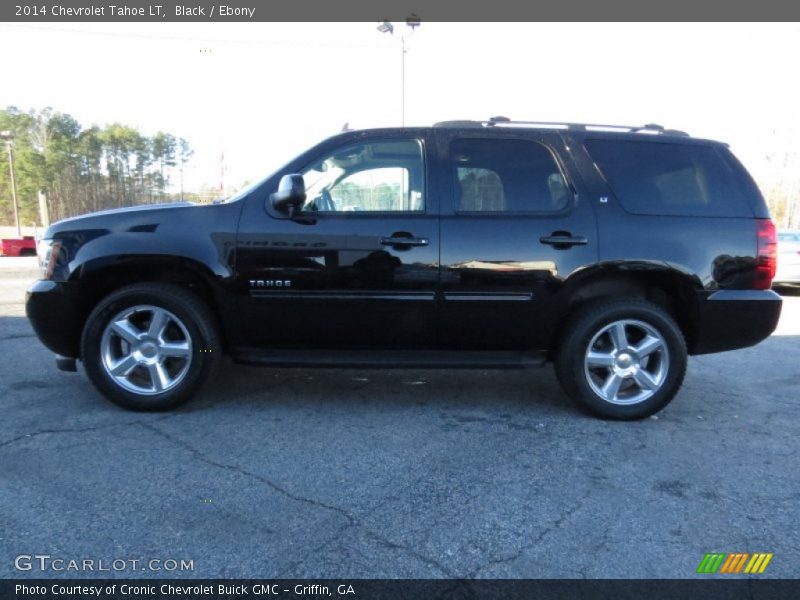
[[394, 10], [416, 589]]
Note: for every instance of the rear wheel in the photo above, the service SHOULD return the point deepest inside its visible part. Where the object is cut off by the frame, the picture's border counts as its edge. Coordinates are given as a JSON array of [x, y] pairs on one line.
[[150, 346], [622, 359]]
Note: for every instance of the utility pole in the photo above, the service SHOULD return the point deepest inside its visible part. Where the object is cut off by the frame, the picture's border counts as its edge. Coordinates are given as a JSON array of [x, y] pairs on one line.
[[8, 136], [44, 212]]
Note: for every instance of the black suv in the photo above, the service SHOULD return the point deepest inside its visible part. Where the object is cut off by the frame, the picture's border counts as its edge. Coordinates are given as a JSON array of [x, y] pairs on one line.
[[613, 251]]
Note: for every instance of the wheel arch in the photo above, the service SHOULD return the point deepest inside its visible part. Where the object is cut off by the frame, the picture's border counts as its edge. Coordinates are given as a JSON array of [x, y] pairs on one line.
[[673, 289], [100, 277]]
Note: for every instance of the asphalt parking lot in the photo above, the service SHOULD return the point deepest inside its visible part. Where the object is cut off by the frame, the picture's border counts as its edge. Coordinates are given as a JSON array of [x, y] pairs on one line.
[[423, 474]]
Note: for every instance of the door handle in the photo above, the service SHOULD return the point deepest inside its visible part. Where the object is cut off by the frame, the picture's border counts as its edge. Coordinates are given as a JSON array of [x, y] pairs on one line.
[[403, 241], [564, 240]]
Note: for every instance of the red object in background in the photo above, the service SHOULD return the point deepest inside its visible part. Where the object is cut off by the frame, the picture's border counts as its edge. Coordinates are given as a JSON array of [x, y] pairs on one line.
[[25, 246]]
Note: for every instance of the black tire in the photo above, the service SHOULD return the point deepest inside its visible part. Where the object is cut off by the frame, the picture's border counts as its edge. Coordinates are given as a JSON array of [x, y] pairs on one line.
[[576, 378], [197, 320]]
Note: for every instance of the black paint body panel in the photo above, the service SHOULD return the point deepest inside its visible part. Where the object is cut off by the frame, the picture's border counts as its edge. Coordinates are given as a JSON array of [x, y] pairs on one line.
[[483, 282]]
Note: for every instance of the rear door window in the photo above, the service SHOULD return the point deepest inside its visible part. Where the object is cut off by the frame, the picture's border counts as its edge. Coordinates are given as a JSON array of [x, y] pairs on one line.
[[657, 178], [507, 176]]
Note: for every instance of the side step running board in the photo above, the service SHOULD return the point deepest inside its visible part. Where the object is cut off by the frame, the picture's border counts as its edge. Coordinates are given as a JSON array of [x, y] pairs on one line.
[[388, 359]]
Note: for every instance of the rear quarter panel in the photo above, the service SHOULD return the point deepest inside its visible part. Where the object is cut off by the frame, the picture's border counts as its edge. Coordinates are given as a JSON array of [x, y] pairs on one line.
[[711, 253]]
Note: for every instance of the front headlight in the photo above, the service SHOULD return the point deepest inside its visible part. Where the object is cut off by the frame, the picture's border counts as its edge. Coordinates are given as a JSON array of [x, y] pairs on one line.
[[48, 251]]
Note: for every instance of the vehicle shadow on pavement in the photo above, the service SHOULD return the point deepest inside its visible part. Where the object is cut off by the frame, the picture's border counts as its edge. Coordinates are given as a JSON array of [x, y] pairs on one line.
[[29, 368], [534, 389], [28, 373]]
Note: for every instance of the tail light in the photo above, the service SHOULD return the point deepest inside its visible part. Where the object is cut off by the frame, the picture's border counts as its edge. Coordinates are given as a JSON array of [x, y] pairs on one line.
[[767, 260]]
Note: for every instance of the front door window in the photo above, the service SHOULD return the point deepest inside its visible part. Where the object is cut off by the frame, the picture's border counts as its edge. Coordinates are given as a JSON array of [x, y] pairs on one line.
[[373, 177]]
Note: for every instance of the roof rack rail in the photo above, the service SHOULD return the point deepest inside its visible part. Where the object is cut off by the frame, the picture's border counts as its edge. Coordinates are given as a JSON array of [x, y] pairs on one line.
[[651, 128]]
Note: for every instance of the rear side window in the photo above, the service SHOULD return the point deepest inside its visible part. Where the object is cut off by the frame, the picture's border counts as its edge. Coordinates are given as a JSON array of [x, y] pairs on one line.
[[654, 178], [497, 175]]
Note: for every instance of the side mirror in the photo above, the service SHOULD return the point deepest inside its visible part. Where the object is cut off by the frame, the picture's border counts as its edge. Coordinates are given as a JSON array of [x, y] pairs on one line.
[[291, 194]]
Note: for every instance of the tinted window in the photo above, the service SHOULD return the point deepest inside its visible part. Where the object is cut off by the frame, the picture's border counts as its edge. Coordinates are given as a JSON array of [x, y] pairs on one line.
[[376, 176], [656, 178], [506, 176]]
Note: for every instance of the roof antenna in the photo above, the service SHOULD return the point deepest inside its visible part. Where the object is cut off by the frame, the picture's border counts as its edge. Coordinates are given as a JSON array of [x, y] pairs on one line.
[[346, 126]]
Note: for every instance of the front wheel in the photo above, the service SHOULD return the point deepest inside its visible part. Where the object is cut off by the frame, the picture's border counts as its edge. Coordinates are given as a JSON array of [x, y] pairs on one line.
[[622, 359], [150, 346]]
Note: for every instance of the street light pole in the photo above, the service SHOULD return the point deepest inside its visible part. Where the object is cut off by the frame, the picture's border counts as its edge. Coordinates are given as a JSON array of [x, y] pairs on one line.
[[403, 81], [8, 136], [412, 22]]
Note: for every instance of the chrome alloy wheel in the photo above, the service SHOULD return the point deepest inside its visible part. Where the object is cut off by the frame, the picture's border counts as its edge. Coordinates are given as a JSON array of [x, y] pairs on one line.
[[626, 362], [146, 350]]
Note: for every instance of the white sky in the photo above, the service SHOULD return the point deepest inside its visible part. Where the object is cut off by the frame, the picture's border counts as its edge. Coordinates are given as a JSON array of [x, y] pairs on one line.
[[263, 92]]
